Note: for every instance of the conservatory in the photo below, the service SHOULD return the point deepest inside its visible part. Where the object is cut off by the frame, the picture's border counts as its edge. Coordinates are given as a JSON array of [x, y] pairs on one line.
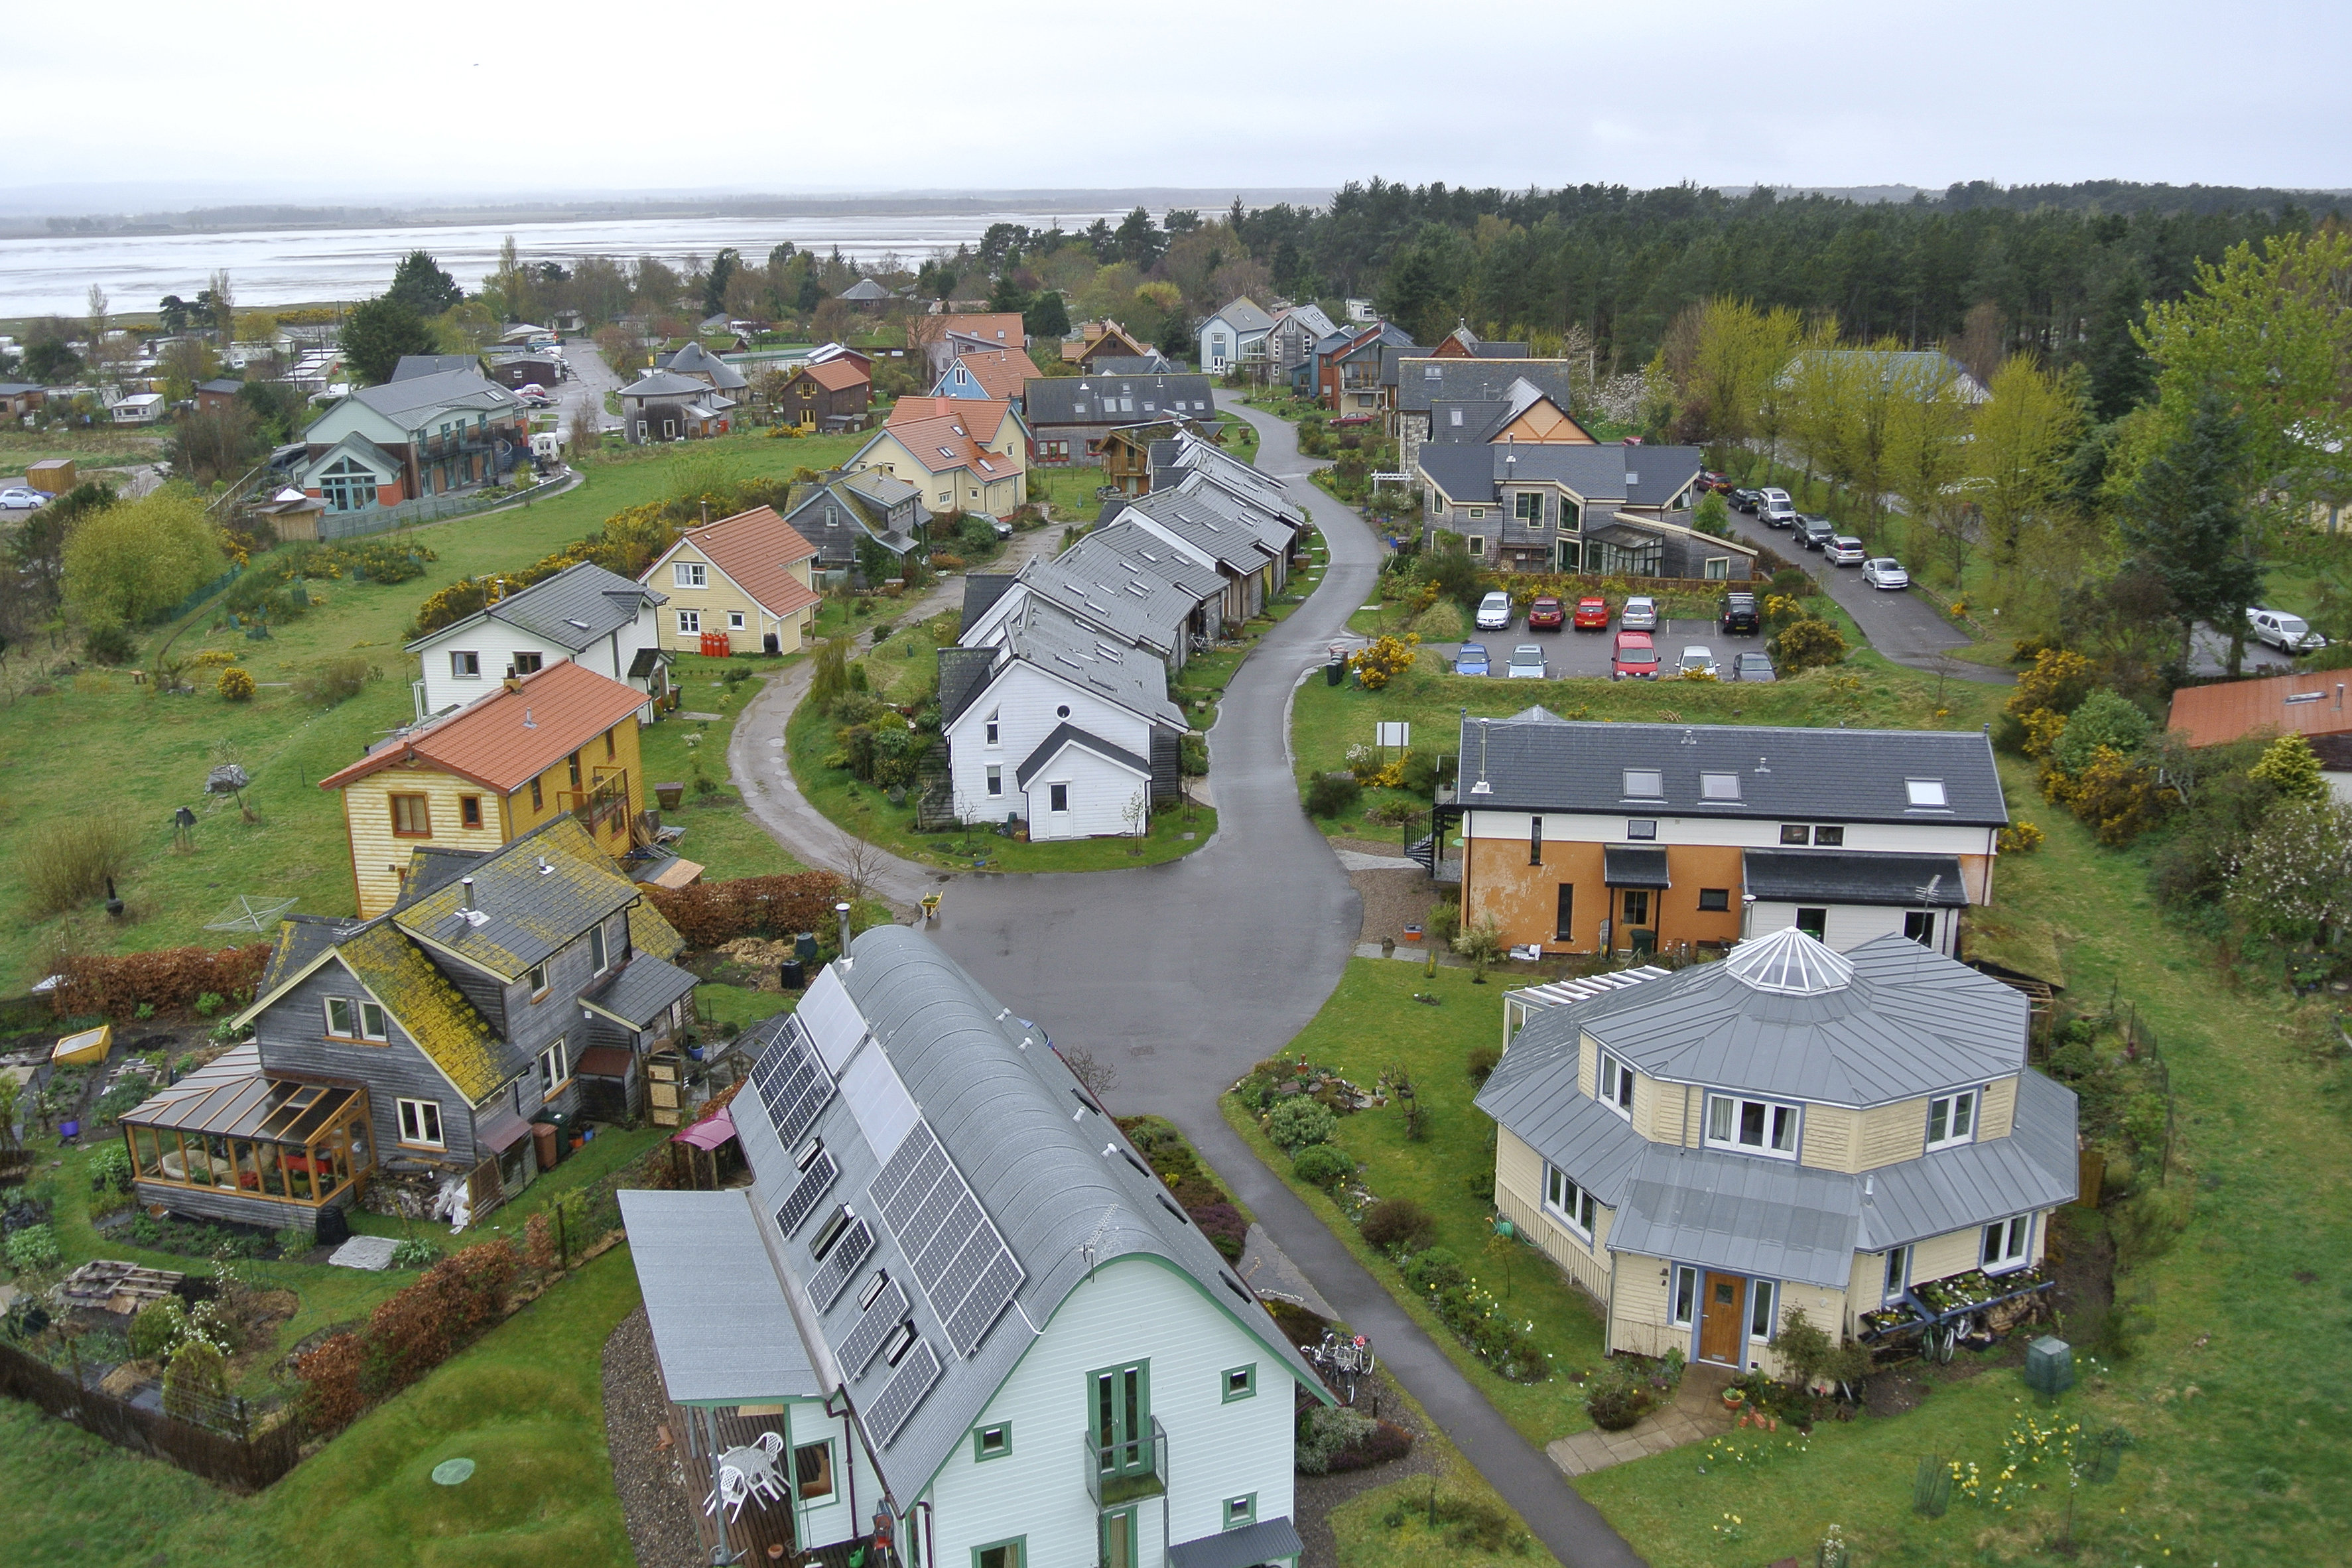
[[229, 1143]]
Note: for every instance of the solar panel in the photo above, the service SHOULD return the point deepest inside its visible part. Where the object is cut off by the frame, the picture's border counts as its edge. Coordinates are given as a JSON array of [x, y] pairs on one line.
[[887, 1312], [801, 1201], [828, 1282], [793, 1084], [916, 1374], [958, 1255]]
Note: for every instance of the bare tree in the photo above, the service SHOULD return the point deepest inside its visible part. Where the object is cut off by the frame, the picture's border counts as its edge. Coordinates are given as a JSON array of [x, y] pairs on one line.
[[1099, 1076], [860, 861]]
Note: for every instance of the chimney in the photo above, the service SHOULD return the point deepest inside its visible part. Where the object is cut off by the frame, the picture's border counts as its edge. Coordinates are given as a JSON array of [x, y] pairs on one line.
[[513, 682], [842, 912], [466, 892]]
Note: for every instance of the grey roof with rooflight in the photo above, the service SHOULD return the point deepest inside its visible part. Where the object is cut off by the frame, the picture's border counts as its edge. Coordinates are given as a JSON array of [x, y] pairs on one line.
[[1788, 774], [579, 606], [1856, 877], [1043, 635]]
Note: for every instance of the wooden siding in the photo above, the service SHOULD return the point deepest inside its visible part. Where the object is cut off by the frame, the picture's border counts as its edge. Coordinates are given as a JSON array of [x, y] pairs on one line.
[[1519, 1194], [720, 595], [379, 857], [1999, 1112], [555, 786], [1828, 1138], [1588, 1067], [1639, 1322], [1889, 1134], [1132, 1308], [1670, 1113], [237, 1208], [1955, 1252], [291, 1033]]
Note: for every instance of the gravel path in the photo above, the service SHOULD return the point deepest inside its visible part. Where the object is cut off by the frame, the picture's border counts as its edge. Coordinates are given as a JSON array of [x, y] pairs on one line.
[[1316, 1496], [661, 1530]]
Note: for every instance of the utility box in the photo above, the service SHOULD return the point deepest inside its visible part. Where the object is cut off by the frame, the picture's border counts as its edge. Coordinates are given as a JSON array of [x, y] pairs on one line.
[[2050, 1366]]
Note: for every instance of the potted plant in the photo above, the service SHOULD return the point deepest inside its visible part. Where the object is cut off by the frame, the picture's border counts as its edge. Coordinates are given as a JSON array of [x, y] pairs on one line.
[[1734, 1400]]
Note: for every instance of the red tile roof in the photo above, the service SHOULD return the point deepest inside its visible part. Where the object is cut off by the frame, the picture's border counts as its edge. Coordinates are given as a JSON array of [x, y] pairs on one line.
[[945, 434], [756, 549], [2314, 702], [504, 741], [1001, 376]]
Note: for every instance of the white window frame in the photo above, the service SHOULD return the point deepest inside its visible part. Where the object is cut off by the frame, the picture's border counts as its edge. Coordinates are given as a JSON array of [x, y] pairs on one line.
[[464, 664], [596, 948], [1763, 1298], [349, 1029], [2007, 1244], [689, 623], [1718, 569], [1474, 543], [1897, 1278], [1058, 790], [555, 1069], [1736, 1106], [1614, 1080], [420, 1124], [535, 978], [1682, 1295], [1957, 1113], [734, 620], [993, 734], [1571, 1205], [995, 781], [372, 1021]]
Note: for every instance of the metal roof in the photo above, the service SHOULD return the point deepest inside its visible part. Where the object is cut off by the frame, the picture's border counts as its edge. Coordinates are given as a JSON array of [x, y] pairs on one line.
[[410, 367], [722, 1331], [1856, 876], [1974, 1184], [1781, 774], [1770, 1217], [1601, 473], [1242, 315], [1097, 583], [1267, 1540], [426, 395], [637, 994], [578, 606]]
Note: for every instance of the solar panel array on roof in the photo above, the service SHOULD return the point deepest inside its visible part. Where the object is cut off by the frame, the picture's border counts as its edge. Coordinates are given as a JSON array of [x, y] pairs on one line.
[[792, 1083], [801, 1201], [883, 1314], [958, 1258], [830, 1280], [916, 1374]]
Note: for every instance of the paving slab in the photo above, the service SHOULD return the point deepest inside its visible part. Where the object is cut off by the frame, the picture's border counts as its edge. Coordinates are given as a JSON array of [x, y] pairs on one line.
[[370, 1252]]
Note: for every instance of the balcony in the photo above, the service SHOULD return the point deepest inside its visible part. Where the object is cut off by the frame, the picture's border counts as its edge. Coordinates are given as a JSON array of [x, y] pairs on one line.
[[604, 808], [1122, 1473]]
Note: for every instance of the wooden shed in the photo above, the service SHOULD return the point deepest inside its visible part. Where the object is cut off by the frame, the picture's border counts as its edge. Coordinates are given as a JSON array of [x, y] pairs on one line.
[[51, 476]]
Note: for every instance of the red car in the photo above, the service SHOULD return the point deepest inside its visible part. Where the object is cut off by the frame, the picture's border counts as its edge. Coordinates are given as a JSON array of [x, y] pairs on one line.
[[1546, 614], [1593, 614], [1708, 479], [1635, 658]]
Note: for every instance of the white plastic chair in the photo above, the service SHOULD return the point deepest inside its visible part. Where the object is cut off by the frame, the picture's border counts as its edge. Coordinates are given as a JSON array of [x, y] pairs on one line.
[[733, 1489]]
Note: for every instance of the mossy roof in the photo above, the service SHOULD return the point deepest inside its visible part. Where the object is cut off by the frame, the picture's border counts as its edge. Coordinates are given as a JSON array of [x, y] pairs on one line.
[[650, 932], [434, 1014], [528, 901]]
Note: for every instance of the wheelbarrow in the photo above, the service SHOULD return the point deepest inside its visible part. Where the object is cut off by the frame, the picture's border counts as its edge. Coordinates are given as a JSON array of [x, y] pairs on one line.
[[931, 908]]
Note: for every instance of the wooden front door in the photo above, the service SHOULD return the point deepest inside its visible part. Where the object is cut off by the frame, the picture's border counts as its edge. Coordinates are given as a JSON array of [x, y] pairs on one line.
[[1719, 1320]]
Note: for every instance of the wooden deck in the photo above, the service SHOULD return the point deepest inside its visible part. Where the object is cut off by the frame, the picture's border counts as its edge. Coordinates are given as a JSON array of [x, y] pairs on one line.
[[762, 1533]]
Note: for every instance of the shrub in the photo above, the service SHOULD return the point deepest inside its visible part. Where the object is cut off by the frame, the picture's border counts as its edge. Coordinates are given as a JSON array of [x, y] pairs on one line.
[[1615, 1399], [235, 685], [332, 1398], [1223, 1226], [710, 913], [1326, 1429], [1809, 644], [2292, 767], [1297, 1121], [165, 979], [1333, 795], [1324, 1164], [2102, 719], [158, 1329], [1444, 922], [416, 1252], [2019, 839], [33, 1248], [109, 1167], [68, 864], [1433, 1270], [336, 681], [195, 1382], [1484, 1060], [1385, 1443], [1193, 756], [1384, 661], [1399, 1224], [1442, 621], [109, 644]]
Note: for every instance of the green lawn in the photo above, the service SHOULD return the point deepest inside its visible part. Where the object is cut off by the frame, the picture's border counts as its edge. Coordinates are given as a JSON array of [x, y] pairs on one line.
[[720, 836], [1068, 493], [95, 742], [1372, 1024], [89, 450]]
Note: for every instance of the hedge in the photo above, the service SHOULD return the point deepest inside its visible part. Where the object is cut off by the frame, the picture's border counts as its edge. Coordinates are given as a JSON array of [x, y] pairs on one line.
[[710, 913], [118, 986], [407, 1336]]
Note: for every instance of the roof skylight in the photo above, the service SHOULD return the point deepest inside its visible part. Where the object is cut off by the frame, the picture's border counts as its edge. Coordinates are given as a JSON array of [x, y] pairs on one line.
[[1925, 792]]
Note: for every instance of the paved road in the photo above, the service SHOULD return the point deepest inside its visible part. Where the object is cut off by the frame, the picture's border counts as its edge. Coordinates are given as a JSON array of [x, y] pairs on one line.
[[589, 380]]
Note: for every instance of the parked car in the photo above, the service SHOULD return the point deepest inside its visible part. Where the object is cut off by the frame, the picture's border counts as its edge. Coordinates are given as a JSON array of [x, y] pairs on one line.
[[1778, 514], [1754, 664], [1527, 663], [1593, 614], [1775, 493], [1493, 613], [1546, 614], [2288, 634], [1813, 533], [1737, 616], [1708, 479], [1696, 658], [1470, 659], [1640, 613], [1845, 550], [1885, 572], [1635, 657], [16, 497], [1745, 500]]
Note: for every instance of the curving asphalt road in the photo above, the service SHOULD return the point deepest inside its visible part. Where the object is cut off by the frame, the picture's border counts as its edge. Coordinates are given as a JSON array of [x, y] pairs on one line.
[[1182, 975]]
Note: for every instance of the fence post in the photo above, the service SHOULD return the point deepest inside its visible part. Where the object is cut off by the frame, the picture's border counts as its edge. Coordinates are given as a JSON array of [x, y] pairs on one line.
[[562, 1242]]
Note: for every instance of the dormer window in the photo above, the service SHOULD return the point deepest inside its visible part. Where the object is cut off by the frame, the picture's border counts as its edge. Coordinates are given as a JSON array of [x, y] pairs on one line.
[[1927, 792], [1952, 1118], [1616, 1085], [1646, 783], [1752, 1126], [1718, 786]]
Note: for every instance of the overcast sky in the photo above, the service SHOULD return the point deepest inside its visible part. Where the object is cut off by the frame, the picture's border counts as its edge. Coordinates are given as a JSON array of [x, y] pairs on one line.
[[355, 101]]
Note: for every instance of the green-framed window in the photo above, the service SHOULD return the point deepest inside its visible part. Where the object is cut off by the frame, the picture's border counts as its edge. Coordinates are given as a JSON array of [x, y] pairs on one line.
[[1119, 1409], [992, 1441], [1012, 1553], [1238, 1383], [1240, 1510]]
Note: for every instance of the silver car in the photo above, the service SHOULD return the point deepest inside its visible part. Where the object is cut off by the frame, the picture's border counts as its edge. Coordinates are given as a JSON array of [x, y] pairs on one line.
[[1527, 663], [1697, 660], [1493, 613], [1639, 615]]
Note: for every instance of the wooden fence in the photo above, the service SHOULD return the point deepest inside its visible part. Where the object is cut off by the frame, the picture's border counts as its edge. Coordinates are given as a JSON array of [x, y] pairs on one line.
[[247, 1464]]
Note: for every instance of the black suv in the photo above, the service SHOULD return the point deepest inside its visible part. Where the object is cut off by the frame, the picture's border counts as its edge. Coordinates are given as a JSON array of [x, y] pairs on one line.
[[1738, 617], [1745, 500], [1814, 533]]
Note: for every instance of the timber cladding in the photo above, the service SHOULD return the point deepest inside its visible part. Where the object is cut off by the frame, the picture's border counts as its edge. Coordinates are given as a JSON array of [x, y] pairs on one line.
[[1518, 1193]]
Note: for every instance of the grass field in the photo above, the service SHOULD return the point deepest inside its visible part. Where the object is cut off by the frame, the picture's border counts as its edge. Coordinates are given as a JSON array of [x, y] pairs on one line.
[[720, 836], [95, 742], [1372, 1024], [89, 450]]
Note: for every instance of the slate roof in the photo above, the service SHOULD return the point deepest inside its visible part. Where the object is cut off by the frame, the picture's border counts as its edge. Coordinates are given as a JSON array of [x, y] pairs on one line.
[[981, 590], [910, 1035], [1068, 734], [1223, 538], [575, 608], [1632, 866], [1243, 316], [435, 1014], [1044, 634], [858, 498], [1097, 586], [507, 738], [420, 397], [1080, 399], [301, 938], [664, 384], [757, 550], [649, 931], [1797, 775], [696, 360], [1597, 472], [1473, 379], [1129, 364], [643, 986], [1141, 549], [220, 385], [412, 365], [965, 674], [866, 289], [534, 896], [1856, 876]]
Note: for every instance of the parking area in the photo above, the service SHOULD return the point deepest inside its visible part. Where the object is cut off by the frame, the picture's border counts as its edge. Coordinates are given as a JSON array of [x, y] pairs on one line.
[[1572, 653]]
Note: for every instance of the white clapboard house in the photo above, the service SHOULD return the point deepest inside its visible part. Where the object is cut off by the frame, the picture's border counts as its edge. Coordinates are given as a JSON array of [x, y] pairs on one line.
[[957, 1305], [584, 615]]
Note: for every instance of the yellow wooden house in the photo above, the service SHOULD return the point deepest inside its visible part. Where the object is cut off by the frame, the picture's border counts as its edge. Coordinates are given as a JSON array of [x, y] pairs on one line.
[[743, 584], [562, 740], [965, 454]]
